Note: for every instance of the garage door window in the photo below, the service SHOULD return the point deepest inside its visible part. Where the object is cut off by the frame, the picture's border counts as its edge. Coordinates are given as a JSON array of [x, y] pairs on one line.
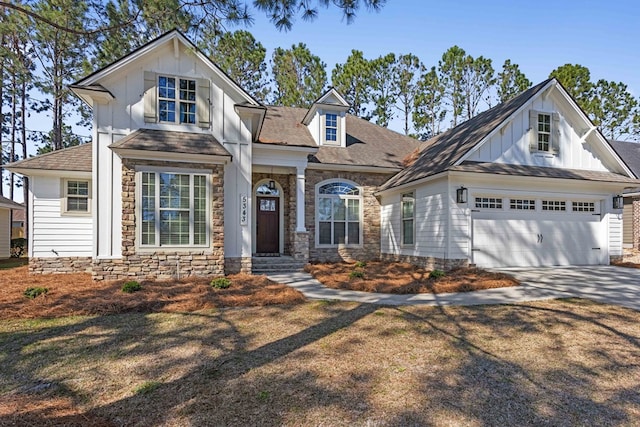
[[488, 203], [554, 205], [522, 204], [584, 206]]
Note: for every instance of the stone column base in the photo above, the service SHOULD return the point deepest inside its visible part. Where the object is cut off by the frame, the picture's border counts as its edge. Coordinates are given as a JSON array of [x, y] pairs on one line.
[[237, 265], [301, 246]]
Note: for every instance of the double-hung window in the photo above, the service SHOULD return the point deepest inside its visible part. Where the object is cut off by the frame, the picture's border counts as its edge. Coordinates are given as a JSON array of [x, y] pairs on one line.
[[544, 132], [338, 213], [176, 104], [174, 209], [408, 218], [331, 128], [76, 194]]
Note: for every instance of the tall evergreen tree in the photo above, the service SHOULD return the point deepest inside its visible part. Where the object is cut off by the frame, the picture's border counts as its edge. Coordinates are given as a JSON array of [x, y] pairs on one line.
[[61, 56], [240, 56], [511, 81], [429, 111], [576, 79], [451, 71], [382, 89], [406, 73], [299, 76], [614, 109], [353, 80], [477, 79]]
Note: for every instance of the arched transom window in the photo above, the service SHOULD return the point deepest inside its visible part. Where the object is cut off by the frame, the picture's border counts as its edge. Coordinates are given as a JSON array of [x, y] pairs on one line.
[[338, 214]]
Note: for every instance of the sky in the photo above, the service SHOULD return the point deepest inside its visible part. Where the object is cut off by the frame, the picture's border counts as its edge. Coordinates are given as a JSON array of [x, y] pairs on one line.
[[539, 36]]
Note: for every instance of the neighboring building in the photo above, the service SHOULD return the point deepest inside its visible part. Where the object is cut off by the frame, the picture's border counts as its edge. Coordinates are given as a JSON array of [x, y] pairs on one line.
[[18, 220], [188, 174], [630, 153], [6, 206]]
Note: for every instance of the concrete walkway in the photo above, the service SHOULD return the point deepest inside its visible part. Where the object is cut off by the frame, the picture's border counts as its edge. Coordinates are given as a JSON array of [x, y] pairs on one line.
[[607, 284]]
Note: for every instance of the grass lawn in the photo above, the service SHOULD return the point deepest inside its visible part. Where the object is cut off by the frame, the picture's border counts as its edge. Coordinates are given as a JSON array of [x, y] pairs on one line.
[[560, 363]]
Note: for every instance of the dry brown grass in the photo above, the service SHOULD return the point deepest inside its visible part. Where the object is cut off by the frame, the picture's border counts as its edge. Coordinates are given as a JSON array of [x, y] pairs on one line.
[[401, 278], [77, 294], [560, 363]]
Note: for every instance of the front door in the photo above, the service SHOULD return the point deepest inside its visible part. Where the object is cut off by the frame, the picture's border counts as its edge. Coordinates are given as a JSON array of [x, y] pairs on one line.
[[268, 226]]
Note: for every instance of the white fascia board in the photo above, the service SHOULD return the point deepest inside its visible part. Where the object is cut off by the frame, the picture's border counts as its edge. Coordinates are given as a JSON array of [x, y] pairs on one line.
[[532, 181], [89, 96], [412, 184], [123, 62], [352, 168], [50, 173], [504, 123], [171, 156]]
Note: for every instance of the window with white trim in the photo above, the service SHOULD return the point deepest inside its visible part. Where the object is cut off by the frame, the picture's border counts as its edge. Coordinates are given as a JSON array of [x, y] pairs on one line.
[[176, 104], [174, 209], [76, 196], [544, 132], [488, 203], [331, 128], [522, 204], [554, 205], [338, 214], [583, 206], [408, 219]]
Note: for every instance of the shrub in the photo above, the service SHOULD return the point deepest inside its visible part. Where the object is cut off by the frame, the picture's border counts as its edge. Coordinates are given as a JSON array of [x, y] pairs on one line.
[[131, 287], [18, 246], [437, 274], [361, 264], [31, 293], [221, 283], [146, 387], [356, 274]]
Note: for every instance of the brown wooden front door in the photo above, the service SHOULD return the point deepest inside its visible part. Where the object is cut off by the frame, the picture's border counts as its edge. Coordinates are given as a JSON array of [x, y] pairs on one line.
[[268, 225]]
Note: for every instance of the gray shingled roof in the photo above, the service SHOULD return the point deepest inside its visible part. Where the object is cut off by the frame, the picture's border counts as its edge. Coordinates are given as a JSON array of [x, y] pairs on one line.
[[629, 152], [76, 158], [542, 172], [10, 204], [172, 142], [367, 143], [441, 152]]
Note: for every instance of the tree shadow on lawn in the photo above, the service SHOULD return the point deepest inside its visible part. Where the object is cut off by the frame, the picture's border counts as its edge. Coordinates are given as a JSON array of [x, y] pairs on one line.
[[462, 370]]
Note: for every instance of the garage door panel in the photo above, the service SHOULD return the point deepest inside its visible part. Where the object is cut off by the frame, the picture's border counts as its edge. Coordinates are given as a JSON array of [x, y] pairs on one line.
[[517, 242]]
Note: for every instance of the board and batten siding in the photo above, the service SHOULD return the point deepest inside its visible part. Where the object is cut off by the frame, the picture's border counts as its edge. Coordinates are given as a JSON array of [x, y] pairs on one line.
[[430, 222], [5, 233], [510, 144], [54, 234]]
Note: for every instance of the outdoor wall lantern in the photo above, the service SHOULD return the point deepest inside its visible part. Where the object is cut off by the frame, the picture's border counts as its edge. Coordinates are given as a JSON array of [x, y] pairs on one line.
[[272, 185], [618, 202], [461, 195]]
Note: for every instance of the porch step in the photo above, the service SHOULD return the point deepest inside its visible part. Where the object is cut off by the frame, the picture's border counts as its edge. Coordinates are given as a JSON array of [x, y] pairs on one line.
[[275, 264]]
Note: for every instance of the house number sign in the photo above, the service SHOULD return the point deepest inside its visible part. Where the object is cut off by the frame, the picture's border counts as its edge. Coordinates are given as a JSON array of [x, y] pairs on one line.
[[244, 202]]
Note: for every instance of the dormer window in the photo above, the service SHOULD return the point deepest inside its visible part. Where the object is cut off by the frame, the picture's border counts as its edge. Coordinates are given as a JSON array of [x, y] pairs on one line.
[[331, 127], [184, 98]]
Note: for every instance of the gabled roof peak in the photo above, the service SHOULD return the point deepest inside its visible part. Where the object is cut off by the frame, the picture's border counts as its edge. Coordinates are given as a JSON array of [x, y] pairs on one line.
[[330, 99]]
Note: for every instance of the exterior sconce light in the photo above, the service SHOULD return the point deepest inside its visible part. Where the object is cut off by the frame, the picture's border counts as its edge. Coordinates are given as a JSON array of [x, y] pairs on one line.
[[461, 195], [618, 202], [272, 185]]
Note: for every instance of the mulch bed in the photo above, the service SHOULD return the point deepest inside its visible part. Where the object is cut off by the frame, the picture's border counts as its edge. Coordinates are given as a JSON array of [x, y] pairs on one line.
[[402, 278], [77, 294]]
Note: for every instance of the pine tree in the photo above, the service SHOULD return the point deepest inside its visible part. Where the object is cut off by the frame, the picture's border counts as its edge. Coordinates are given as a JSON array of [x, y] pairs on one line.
[[299, 76]]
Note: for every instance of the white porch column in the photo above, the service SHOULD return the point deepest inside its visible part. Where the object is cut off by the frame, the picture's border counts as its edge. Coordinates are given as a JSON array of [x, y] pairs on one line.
[[300, 202]]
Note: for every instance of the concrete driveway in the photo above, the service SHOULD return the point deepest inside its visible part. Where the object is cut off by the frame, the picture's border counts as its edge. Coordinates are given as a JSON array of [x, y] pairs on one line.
[[602, 283], [607, 284]]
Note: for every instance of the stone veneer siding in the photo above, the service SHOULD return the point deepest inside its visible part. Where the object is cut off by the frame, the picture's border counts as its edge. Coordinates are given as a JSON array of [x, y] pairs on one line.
[[60, 265], [428, 263], [370, 247], [163, 264]]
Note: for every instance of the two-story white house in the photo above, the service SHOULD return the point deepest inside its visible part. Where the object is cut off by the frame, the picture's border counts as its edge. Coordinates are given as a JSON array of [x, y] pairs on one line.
[[188, 174]]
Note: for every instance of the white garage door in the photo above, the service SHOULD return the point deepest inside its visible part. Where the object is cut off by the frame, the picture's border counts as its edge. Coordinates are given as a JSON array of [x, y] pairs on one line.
[[518, 239]]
